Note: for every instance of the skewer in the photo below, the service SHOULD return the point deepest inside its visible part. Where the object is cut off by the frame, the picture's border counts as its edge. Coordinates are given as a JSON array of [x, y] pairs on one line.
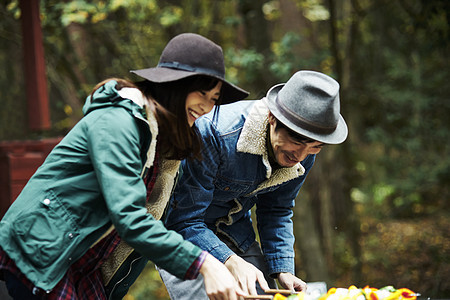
[[259, 297], [283, 292], [271, 292]]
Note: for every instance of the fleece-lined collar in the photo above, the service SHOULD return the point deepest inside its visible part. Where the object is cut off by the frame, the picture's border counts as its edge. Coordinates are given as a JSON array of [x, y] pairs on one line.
[[137, 97], [161, 192], [253, 140], [165, 180]]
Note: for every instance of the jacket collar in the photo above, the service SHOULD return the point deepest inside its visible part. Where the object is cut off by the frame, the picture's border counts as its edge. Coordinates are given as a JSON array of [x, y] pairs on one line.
[[252, 140], [137, 97], [165, 180]]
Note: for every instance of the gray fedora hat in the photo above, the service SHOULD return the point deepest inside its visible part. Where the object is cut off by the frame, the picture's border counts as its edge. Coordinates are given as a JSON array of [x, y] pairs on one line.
[[309, 105], [190, 54]]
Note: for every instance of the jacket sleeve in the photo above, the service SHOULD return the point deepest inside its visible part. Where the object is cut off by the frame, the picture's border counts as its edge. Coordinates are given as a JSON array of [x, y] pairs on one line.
[[194, 193], [115, 146], [275, 227]]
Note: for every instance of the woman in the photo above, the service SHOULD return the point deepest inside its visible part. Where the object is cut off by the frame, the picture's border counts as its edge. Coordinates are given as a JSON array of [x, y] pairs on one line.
[[91, 192]]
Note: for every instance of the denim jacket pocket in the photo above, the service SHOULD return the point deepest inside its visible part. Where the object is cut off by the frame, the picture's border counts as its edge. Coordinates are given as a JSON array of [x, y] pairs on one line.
[[45, 233], [227, 189]]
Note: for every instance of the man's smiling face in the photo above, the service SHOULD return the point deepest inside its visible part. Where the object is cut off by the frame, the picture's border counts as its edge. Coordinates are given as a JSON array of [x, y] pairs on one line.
[[288, 150]]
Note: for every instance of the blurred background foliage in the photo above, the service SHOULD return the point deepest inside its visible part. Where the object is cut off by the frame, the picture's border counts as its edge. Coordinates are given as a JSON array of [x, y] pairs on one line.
[[374, 210]]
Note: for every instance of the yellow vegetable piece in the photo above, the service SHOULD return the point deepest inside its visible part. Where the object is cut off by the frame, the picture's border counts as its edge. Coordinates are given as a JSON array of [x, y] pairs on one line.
[[279, 297]]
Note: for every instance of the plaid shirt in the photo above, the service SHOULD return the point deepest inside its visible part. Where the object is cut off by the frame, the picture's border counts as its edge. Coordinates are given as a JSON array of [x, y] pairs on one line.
[[83, 279]]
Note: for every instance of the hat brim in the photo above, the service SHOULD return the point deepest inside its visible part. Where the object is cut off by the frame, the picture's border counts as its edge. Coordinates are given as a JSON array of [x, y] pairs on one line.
[[336, 137], [230, 92]]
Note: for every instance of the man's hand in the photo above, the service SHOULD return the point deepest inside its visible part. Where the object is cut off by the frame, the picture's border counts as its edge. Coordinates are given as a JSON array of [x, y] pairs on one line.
[[246, 274], [219, 283], [291, 282]]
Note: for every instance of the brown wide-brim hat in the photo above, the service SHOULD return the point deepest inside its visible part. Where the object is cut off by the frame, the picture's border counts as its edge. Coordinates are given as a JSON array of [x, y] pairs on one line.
[[309, 105], [190, 54]]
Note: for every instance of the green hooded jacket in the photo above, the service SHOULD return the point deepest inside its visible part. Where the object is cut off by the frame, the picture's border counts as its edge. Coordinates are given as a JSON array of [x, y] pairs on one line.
[[90, 181]]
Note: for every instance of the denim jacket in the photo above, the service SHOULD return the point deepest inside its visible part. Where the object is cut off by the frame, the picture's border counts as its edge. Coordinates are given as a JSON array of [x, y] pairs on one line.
[[215, 196]]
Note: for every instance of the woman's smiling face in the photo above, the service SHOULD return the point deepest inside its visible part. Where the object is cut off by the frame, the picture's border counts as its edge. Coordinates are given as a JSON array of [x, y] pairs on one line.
[[199, 103]]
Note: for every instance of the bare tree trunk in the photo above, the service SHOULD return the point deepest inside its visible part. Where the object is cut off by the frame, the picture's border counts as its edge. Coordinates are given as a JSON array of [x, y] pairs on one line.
[[293, 20], [312, 260], [346, 218], [257, 36], [324, 214], [308, 234]]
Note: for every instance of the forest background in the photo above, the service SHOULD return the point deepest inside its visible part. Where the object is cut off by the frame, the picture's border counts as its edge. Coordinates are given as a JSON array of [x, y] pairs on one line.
[[374, 210]]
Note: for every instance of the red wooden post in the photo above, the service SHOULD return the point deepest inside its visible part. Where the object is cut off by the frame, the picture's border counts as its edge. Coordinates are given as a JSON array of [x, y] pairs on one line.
[[20, 159], [35, 75]]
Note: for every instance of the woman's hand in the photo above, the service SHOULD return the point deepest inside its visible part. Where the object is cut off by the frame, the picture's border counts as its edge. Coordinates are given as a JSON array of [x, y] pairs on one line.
[[246, 274], [219, 283]]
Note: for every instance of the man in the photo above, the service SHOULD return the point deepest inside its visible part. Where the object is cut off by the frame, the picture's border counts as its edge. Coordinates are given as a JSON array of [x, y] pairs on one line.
[[256, 153]]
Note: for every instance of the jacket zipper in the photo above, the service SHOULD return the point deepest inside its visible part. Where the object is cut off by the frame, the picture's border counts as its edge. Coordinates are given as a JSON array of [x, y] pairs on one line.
[[118, 282]]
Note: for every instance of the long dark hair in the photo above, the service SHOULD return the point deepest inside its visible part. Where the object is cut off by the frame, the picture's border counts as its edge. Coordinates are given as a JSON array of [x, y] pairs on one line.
[[176, 139]]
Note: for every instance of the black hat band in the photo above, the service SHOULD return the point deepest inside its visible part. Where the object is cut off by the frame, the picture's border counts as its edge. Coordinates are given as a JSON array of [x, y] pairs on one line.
[[184, 67]]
